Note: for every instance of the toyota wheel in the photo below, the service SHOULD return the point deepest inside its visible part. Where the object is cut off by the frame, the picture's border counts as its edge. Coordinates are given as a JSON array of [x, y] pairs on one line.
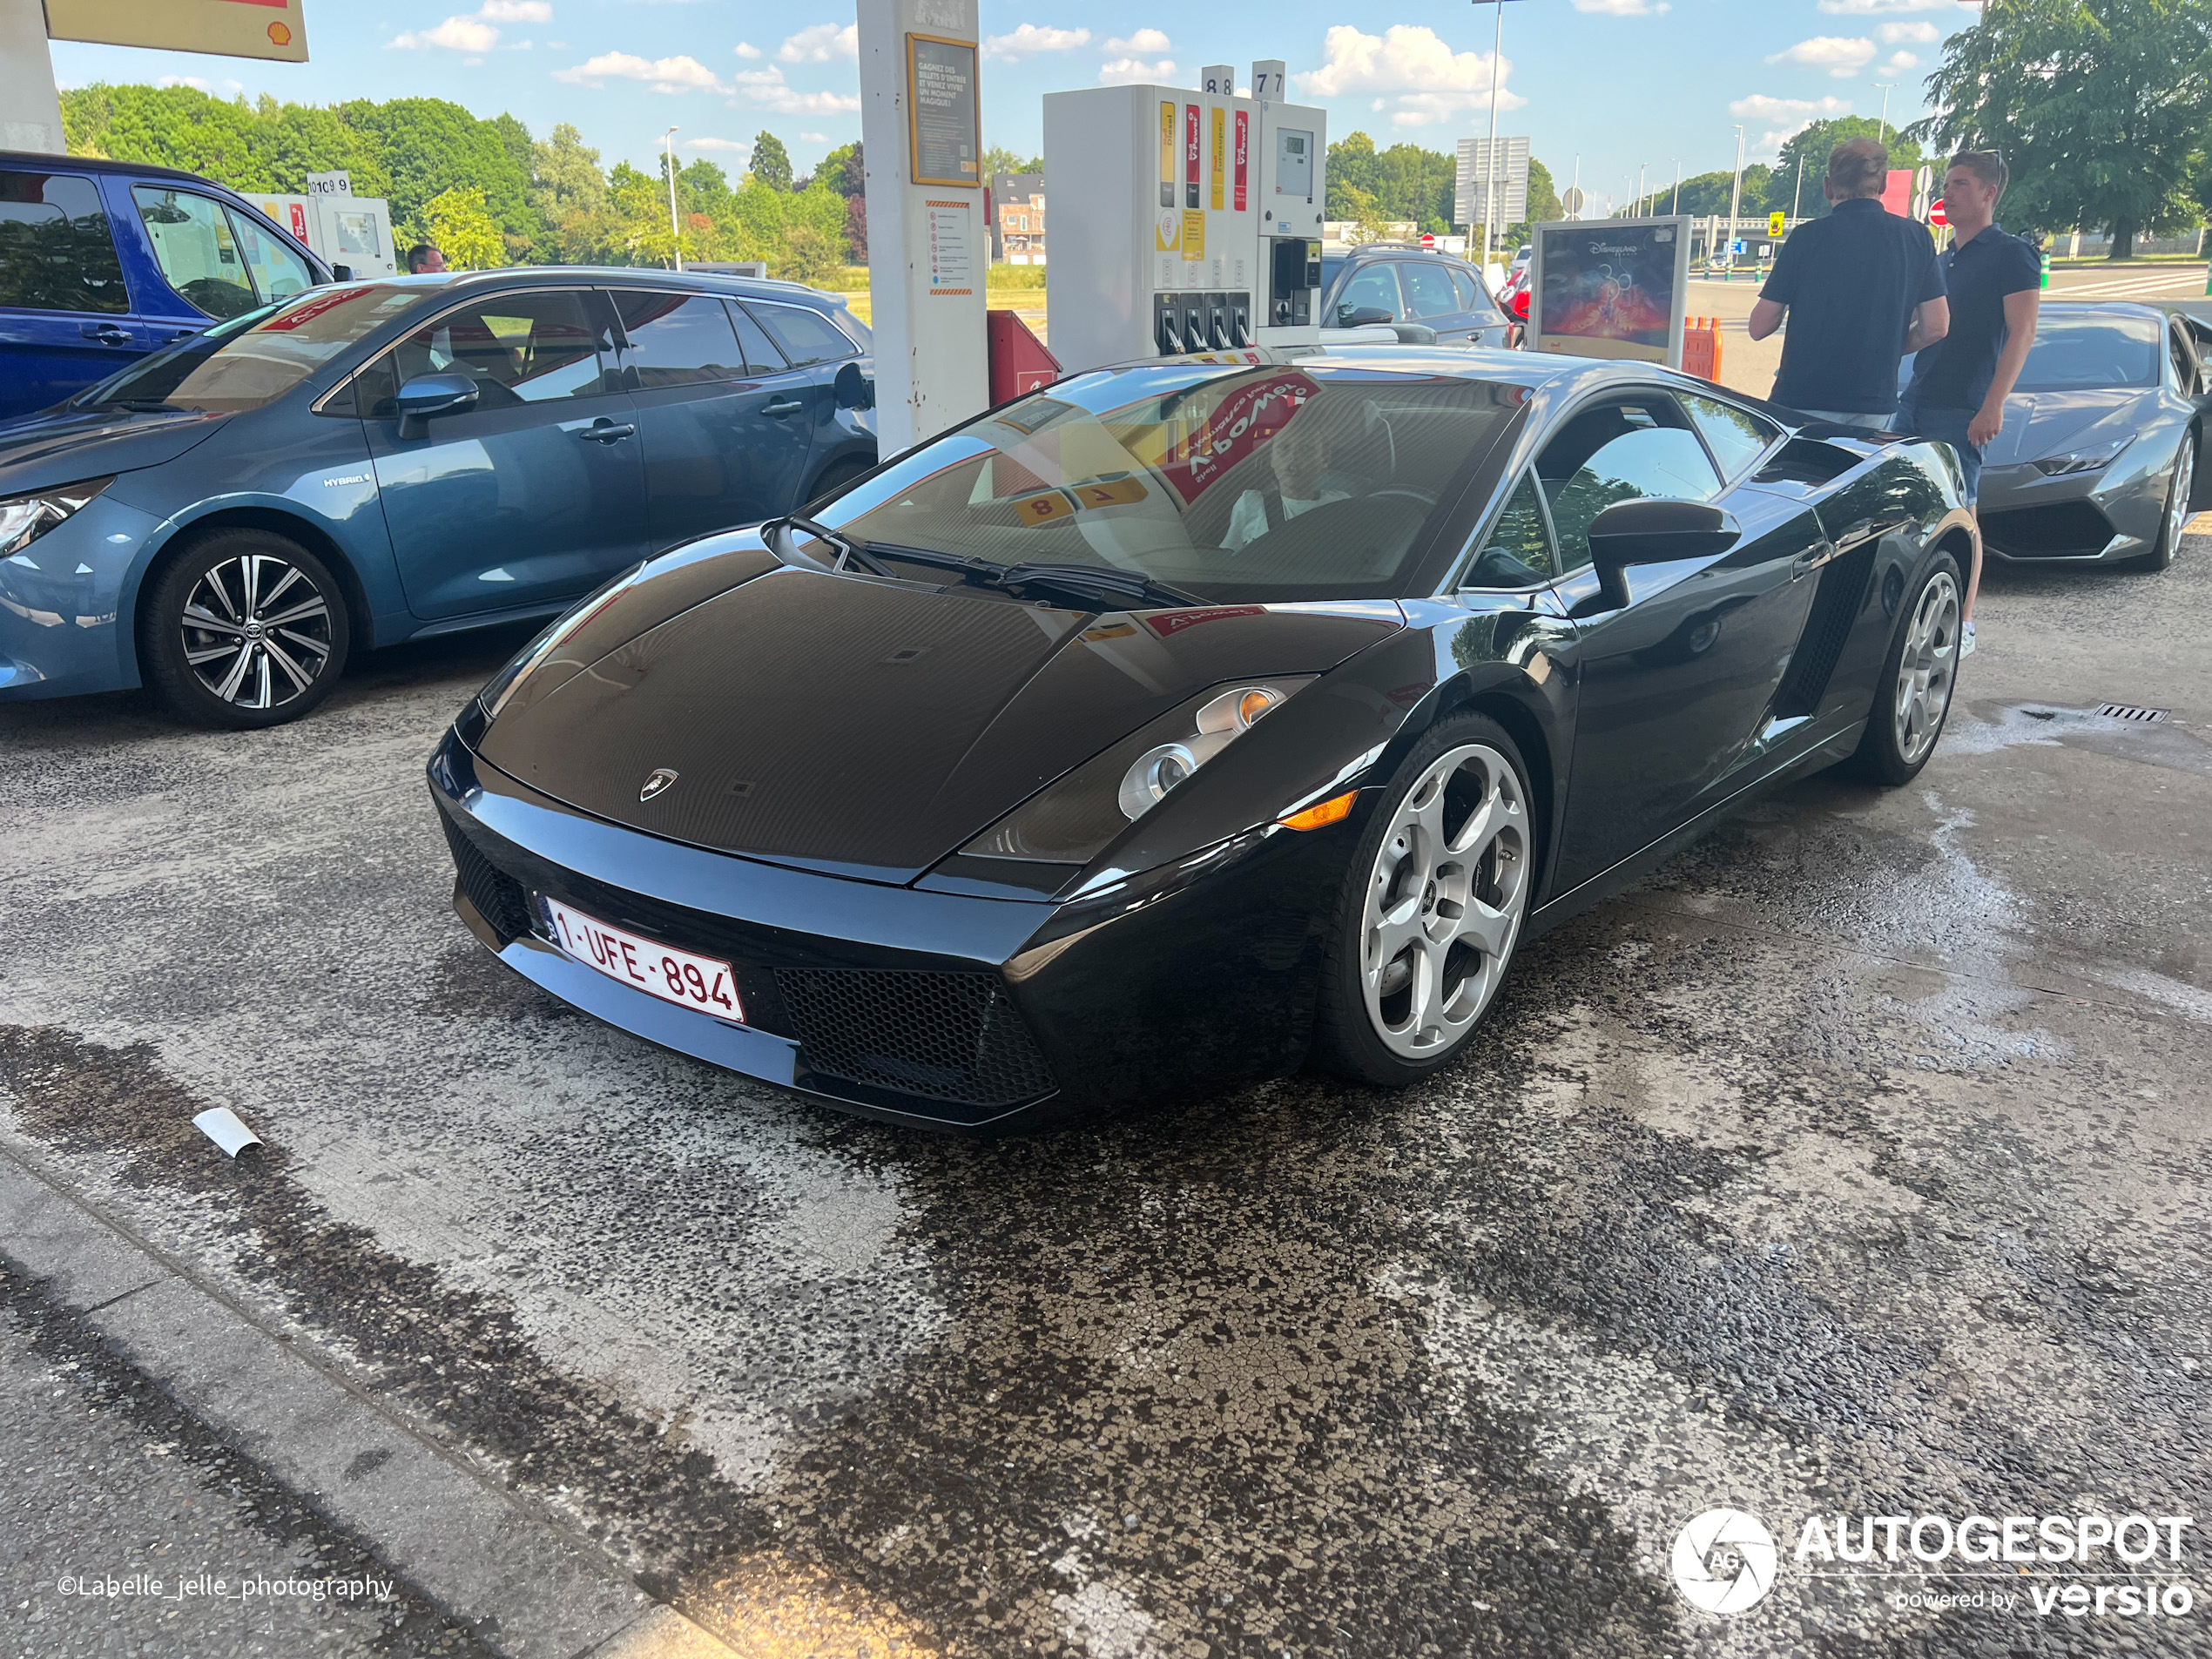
[[244, 629]]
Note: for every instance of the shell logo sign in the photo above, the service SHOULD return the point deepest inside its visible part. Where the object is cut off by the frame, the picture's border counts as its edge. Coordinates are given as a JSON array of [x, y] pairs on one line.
[[229, 28]]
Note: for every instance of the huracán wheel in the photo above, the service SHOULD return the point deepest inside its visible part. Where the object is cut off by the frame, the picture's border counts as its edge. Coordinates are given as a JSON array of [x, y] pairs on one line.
[[1928, 669], [2179, 484]]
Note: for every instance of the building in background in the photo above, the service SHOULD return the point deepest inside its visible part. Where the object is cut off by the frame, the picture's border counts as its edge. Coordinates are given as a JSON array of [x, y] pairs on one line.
[[1017, 218]]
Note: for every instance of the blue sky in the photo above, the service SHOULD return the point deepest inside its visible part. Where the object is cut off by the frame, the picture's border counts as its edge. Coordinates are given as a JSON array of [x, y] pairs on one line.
[[1620, 83]]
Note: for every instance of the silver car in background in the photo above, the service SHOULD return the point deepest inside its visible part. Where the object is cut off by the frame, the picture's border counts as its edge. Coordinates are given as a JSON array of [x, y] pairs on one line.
[[2100, 460]]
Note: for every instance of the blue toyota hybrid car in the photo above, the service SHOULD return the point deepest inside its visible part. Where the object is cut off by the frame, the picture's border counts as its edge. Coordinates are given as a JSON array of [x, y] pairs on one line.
[[227, 519]]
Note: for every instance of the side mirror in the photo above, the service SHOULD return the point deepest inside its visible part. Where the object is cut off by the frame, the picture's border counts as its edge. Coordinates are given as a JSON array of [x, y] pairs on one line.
[[1414, 334], [428, 394], [1348, 318], [1654, 532], [854, 389], [341, 273]]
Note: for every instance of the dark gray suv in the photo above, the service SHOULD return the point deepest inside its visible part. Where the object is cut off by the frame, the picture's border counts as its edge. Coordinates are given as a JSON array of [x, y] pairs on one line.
[[1400, 283]]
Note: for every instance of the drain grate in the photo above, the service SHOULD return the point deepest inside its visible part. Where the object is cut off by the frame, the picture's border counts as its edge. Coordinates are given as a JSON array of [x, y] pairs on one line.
[[2129, 711]]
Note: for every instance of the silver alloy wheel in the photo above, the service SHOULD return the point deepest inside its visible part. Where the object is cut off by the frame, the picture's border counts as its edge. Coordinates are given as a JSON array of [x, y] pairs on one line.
[[1444, 902], [257, 630], [1928, 668], [2177, 499]]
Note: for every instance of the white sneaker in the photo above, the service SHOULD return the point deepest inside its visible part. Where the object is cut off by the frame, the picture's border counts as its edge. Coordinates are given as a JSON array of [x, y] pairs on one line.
[[1966, 641]]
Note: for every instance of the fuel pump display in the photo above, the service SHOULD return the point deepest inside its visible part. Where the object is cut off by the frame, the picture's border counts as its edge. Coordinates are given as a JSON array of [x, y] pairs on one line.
[[1194, 223]]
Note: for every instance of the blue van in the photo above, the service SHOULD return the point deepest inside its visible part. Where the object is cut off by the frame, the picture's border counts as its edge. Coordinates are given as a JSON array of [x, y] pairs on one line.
[[103, 262]]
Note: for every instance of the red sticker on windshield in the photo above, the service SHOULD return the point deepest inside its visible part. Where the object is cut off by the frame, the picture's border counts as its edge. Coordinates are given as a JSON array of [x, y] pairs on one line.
[[1174, 621], [309, 310], [1244, 421]]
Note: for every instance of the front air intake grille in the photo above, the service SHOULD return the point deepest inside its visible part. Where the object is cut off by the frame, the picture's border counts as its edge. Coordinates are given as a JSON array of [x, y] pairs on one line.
[[499, 899], [2064, 529], [941, 1037]]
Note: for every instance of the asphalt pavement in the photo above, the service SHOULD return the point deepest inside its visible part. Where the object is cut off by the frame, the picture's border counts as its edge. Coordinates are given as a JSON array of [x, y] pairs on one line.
[[1856, 1164]]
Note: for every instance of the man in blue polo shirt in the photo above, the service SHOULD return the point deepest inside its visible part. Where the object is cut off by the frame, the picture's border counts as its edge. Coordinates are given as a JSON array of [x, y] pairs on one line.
[[1861, 287], [1960, 384]]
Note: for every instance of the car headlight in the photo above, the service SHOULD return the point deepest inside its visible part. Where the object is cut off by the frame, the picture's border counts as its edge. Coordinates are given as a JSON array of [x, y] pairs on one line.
[[24, 519], [1072, 821], [2083, 460]]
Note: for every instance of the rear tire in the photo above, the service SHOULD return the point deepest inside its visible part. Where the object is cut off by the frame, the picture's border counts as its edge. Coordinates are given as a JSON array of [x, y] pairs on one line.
[[1431, 912], [835, 479], [243, 630], [1919, 676], [2180, 484]]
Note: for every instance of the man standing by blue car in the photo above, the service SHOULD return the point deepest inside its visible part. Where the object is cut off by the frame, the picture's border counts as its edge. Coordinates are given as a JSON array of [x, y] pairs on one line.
[[1959, 384], [1862, 289]]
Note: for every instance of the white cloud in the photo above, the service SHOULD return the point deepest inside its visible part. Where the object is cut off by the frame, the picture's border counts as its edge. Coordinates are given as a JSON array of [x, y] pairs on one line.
[[822, 43], [200, 83], [1787, 117], [1893, 8], [1918, 34], [455, 34], [1840, 54], [815, 137], [732, 147], [515, 11], [1423, 80], [766, 89], [746, 49], [665, 74], [1027, 40], [1624, 8], [1898, 63], [1134, 71], [1144, 40]]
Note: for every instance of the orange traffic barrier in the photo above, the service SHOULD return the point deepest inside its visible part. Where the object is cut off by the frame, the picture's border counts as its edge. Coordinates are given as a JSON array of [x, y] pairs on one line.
[[1701, 348]]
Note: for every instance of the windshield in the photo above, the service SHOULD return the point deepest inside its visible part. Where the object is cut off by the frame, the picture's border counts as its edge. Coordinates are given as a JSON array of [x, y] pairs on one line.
[[256, 358], [1262, 484], [2073, 353]]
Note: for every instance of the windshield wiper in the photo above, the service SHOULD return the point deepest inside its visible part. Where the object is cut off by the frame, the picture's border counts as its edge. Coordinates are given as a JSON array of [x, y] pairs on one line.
[[851, 549]]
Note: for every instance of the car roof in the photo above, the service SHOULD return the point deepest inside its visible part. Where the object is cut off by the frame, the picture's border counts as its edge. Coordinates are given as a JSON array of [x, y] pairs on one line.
[[39, 161], [630, 276], [2117, 307]]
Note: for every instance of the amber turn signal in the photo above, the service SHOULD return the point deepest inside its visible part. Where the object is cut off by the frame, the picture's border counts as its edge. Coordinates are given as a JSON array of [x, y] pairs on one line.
[[1327, 812]]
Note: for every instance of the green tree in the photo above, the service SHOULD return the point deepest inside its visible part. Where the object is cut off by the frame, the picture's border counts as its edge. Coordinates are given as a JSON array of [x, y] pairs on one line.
[[770, 161], [569, 193], [456, 222], [2100, 107], [998, 159], [1809, 150], [430, 145], [842, 171]]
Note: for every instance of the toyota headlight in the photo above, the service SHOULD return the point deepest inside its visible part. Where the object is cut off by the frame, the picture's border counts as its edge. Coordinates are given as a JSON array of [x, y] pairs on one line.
[[24, 519], [1072, 821], [2083, 460]]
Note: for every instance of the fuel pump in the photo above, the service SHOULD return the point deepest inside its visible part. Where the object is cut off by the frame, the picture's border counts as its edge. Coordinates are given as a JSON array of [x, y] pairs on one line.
[[1182, 220]]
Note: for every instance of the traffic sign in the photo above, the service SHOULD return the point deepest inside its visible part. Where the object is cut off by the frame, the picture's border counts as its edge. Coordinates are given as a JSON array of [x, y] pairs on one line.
[[1573, 201], [1937, 217], [1428, 240], [1776, 223]]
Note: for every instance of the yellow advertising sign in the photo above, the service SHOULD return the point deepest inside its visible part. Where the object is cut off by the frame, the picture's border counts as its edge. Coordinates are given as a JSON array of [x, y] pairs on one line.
[[1167, 154], [1220, 153], [1776, 223], [229, 28], [1194, 232]]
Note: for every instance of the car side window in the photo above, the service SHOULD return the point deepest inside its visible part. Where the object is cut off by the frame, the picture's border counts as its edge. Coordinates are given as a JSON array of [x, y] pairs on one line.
[[677, 340], [56, 252], [536, 347], [762, 354], [1737, 437], [1429, 288], [1472, 298], [1624, 449], [197, 250], [807, 337], [1373, 287], [278, 271], [1518, 551], [2185, 370]]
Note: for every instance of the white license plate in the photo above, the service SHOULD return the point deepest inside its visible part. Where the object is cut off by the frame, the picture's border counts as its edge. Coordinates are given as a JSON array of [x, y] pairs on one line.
[[658, 970]]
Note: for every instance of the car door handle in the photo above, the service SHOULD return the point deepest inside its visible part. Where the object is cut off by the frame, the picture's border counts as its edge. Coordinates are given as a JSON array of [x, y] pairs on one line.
[[782, 407], [108, 333], [1812, 559], [604, 431], [182, 333]]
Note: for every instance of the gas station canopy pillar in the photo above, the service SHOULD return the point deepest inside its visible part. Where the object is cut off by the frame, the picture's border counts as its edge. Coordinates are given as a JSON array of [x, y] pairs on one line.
[[31, 113], [929, 248]]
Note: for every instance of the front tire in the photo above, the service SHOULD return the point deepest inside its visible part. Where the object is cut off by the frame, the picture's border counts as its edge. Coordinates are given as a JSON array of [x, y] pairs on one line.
[[1920, 674], [2179, 484], [1432, 908], [244, 629]]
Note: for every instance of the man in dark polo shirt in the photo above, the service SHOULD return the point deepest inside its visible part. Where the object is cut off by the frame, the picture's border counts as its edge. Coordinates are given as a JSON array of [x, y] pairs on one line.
[[1960, 384], [1861, 288]]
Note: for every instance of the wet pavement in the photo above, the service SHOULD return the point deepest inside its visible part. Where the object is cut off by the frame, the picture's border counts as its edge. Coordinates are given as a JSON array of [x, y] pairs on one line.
[[1857, 1164]]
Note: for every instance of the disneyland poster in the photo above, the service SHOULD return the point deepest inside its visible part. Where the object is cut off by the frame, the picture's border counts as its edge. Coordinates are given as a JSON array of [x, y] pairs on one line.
[[1612, 288]]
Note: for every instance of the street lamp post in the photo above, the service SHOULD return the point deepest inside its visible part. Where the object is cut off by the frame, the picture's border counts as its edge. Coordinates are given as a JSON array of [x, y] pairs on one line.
[[675, 230], [1675, 206], [1883, 125], [1640, 167], [1735, 198], [1490, 159]]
